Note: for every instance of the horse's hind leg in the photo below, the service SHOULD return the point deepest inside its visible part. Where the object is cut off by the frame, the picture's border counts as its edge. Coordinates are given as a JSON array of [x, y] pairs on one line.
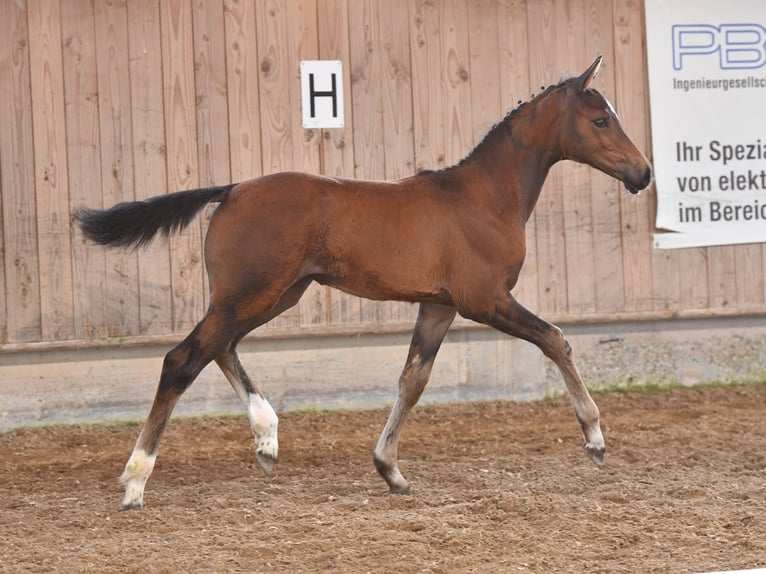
[[180, 367], [514, 319], [430, 329], [263, 420]]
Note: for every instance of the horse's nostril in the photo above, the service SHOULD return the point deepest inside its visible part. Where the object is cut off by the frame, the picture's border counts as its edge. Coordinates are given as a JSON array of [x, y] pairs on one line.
[[647, 177]]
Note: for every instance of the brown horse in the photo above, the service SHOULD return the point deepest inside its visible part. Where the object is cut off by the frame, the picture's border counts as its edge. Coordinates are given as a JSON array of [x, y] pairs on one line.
[[451, 240]]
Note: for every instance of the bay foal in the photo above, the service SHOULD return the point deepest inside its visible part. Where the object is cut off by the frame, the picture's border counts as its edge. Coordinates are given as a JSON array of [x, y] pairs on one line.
[[451, 240]]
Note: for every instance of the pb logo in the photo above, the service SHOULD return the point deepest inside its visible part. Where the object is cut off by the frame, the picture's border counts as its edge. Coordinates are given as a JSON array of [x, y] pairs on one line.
[[739, 46]]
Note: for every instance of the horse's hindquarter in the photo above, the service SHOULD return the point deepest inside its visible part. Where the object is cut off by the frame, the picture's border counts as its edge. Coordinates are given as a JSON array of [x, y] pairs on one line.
[[261, 236]]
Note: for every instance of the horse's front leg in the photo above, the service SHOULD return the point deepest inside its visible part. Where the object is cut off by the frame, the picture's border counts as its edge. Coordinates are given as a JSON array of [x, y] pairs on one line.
[[431, 327], [514, 319]]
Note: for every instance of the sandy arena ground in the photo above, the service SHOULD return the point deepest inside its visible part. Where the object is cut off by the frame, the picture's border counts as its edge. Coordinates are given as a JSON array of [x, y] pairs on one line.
[[497, 487]]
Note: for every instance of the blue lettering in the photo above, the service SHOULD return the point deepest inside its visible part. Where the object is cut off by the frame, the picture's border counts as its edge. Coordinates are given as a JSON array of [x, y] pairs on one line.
[[739, 46]]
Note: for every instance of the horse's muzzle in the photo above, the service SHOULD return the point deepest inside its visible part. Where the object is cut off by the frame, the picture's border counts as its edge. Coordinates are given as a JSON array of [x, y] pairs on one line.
[[635, 181]]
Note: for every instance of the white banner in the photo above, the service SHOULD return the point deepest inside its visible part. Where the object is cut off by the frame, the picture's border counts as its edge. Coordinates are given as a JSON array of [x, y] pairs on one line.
[[707, 91]]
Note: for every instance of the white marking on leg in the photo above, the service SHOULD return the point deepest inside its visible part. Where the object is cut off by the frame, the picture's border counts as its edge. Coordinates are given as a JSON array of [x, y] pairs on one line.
[[264, 423], [596, 438], [263, 420], [134, 477]]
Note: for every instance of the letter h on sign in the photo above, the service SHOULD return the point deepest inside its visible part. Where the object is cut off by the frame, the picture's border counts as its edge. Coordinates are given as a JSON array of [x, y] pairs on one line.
[[322, 93]]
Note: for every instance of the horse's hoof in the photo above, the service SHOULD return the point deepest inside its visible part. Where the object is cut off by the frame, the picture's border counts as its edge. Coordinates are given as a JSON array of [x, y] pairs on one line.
[[402, 491], [595, 454], [266, 461], [131, 505]]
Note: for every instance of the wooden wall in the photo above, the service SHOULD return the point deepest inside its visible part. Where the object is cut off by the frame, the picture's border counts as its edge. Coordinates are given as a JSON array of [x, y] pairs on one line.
[[111, 100]]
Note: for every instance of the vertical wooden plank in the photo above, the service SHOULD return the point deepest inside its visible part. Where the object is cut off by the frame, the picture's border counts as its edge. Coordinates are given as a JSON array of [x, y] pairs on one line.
[[212, 106], [211, 88], [748, 262], [427, 92], [302, 44], [722, 277], [456, 78], [608, 273], [81, 102], [763, 249], [442, 122], [333, 38], [52, 190], [275, 74], [116, 158], [578, 218], [515, 86], [337, 150], [6, 48], [396, 65], [693, 287], [366, 89], [149, 151], [484, 66], [3, 309], [244, 124], [515, 45], [17, 178], [630, 99], [549, 216], [673, 289], [183, 171], [382, 89]]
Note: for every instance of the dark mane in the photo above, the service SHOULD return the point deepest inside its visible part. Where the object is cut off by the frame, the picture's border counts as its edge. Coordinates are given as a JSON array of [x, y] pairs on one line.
[[498, 131], [504, 127]]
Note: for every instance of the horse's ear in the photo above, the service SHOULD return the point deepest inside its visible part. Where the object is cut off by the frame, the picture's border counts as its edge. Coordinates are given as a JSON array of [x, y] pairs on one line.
[[583, 82]]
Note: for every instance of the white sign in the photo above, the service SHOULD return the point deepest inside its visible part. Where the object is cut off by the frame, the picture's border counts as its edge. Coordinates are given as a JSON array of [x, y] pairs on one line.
[[322, 93], [707, 90]]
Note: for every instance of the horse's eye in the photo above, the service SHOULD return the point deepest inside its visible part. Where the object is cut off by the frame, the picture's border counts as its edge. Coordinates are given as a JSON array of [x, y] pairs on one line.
[[600, 122]]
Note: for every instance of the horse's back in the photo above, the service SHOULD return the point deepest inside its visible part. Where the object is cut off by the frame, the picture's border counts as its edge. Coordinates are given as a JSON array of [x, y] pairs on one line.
[[305, 199], [370, 238]]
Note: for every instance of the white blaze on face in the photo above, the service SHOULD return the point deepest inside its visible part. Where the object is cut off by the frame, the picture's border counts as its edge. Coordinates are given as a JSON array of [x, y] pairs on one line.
[[610, 108]]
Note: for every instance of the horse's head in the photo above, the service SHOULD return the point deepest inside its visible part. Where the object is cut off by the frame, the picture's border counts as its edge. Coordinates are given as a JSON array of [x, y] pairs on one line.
[[592, 134]]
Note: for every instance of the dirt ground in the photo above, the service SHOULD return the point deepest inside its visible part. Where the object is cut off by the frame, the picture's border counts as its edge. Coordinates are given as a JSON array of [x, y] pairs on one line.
[[497, 487]]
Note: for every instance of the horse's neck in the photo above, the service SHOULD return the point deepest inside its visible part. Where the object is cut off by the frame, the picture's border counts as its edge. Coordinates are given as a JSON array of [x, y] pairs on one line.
[[531, 176], [518, 164]]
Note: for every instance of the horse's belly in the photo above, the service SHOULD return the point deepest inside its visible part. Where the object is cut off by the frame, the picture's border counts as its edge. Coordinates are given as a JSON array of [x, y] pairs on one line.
[[370, 286]]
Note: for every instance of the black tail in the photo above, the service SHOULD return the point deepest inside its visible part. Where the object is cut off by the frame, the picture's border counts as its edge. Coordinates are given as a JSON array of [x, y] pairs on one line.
[[135, 223]]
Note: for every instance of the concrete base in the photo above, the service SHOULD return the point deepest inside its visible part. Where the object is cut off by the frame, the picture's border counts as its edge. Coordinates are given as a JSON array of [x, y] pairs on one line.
[[44, 387]]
